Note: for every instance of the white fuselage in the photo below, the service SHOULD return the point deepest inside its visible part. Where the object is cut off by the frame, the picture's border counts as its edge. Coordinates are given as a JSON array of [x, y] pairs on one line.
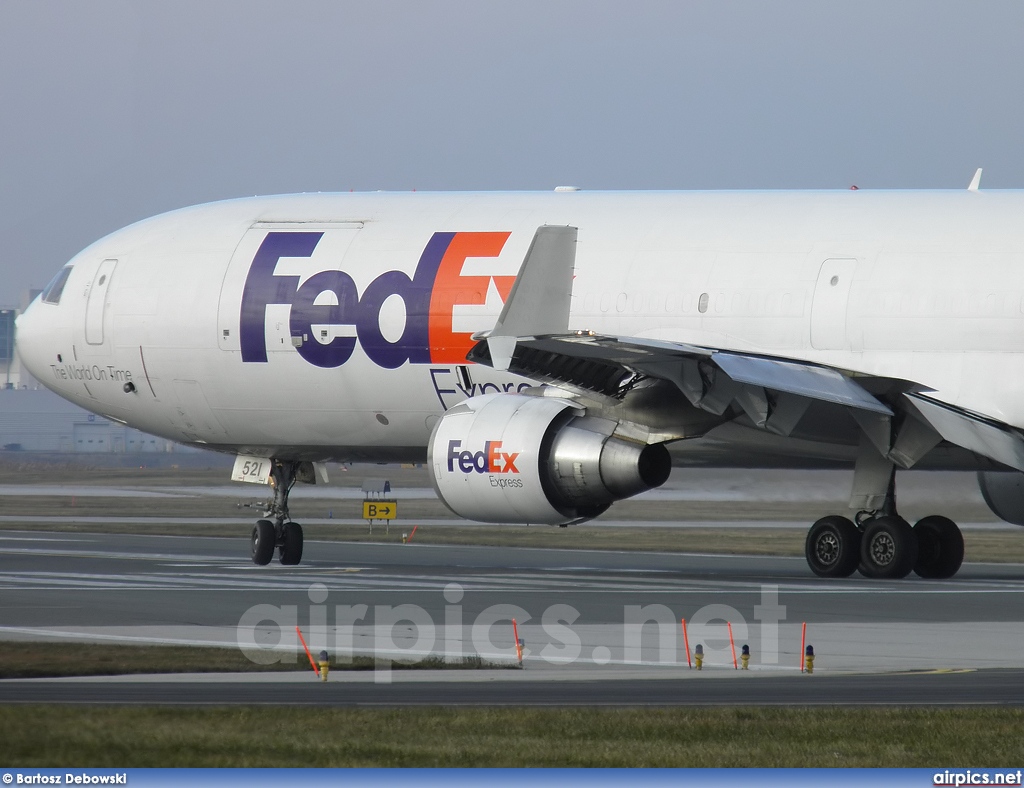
[[922, 286]]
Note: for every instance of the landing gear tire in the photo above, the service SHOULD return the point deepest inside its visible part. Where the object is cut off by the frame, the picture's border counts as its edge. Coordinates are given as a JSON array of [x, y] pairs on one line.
[[940, 548], [291, 544], [264, 540], [888, 549], [277, 530], [832, 548]]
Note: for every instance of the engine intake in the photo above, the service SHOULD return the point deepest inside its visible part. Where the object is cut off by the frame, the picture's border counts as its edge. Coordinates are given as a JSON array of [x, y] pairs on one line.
[[515, 458]]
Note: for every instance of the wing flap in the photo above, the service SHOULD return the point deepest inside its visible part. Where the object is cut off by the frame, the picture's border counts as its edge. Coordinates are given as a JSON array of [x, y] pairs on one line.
[[972, 432], [792, 377]]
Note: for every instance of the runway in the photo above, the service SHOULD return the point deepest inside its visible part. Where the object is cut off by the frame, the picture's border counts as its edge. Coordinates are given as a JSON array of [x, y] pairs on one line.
[[603, 626]]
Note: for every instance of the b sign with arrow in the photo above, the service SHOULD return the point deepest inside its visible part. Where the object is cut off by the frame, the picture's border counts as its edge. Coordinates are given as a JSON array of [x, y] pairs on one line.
[[380, 510]]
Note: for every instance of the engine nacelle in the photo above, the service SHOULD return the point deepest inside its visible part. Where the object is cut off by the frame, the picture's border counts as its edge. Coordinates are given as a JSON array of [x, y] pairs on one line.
[[514, 458], [1004, 494]]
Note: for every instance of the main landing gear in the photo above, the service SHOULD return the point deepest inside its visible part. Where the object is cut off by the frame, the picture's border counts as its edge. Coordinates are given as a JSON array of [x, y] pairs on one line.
[[277, 530], [882, 545]]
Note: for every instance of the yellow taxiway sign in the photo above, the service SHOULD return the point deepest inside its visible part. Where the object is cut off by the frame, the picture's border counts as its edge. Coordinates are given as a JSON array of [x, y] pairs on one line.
[[380, 510]]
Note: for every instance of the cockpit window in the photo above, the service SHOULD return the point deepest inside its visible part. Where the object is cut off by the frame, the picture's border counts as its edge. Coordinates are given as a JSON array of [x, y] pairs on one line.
[[53, 291]]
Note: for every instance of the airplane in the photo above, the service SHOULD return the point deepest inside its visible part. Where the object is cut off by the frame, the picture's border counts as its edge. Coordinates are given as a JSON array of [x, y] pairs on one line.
[[550, 353]]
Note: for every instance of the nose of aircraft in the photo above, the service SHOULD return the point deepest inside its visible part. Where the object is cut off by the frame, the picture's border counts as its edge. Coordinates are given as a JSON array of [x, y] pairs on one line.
[[38, 333], [27, 341]]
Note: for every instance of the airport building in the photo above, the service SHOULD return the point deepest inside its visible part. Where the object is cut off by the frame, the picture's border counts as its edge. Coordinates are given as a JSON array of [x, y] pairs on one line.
[[10, 368], [37, 420]]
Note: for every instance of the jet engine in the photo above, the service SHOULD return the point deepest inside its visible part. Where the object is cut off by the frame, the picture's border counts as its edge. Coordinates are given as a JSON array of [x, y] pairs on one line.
[[1004, 494], [517, 458]]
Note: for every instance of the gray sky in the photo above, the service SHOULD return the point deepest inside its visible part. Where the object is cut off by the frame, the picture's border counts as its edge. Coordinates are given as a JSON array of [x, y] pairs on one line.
[[111, 111]]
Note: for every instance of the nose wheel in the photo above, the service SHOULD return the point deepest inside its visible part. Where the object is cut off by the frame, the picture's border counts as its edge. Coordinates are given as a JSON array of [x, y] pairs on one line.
[[291, 544], [277, 530], [264, 540]]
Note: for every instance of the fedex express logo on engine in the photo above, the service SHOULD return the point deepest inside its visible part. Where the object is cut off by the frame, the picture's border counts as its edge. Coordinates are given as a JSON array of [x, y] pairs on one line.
[[491, 460], [430, 295]]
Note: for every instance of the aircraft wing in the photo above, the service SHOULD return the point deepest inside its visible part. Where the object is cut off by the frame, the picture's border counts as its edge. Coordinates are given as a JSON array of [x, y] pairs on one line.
[[606, 363], [531, 338], [773, 392]]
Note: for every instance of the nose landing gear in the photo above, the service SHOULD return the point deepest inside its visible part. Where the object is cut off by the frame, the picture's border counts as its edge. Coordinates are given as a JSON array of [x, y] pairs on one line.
[[277, 530]]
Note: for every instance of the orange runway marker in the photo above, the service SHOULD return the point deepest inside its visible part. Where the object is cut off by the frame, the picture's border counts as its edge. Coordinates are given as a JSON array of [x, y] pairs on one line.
[[803, 639], [686, 645], [316, 670], [732, 645], [519, 647], [413, 532]]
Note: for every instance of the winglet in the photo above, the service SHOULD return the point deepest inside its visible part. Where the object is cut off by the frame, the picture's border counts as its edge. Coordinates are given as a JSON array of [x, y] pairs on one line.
[[539, 301], [975, 181]]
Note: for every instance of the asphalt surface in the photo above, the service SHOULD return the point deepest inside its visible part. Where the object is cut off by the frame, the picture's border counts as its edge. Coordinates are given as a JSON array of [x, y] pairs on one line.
[[581, 615]]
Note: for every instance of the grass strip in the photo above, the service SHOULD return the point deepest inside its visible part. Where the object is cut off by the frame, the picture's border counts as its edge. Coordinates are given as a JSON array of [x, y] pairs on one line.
[[132, 737], [19, 660]]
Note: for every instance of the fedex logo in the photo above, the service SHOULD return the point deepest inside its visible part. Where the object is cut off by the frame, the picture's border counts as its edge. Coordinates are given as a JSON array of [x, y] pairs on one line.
[[430, 295], [491, 460]]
